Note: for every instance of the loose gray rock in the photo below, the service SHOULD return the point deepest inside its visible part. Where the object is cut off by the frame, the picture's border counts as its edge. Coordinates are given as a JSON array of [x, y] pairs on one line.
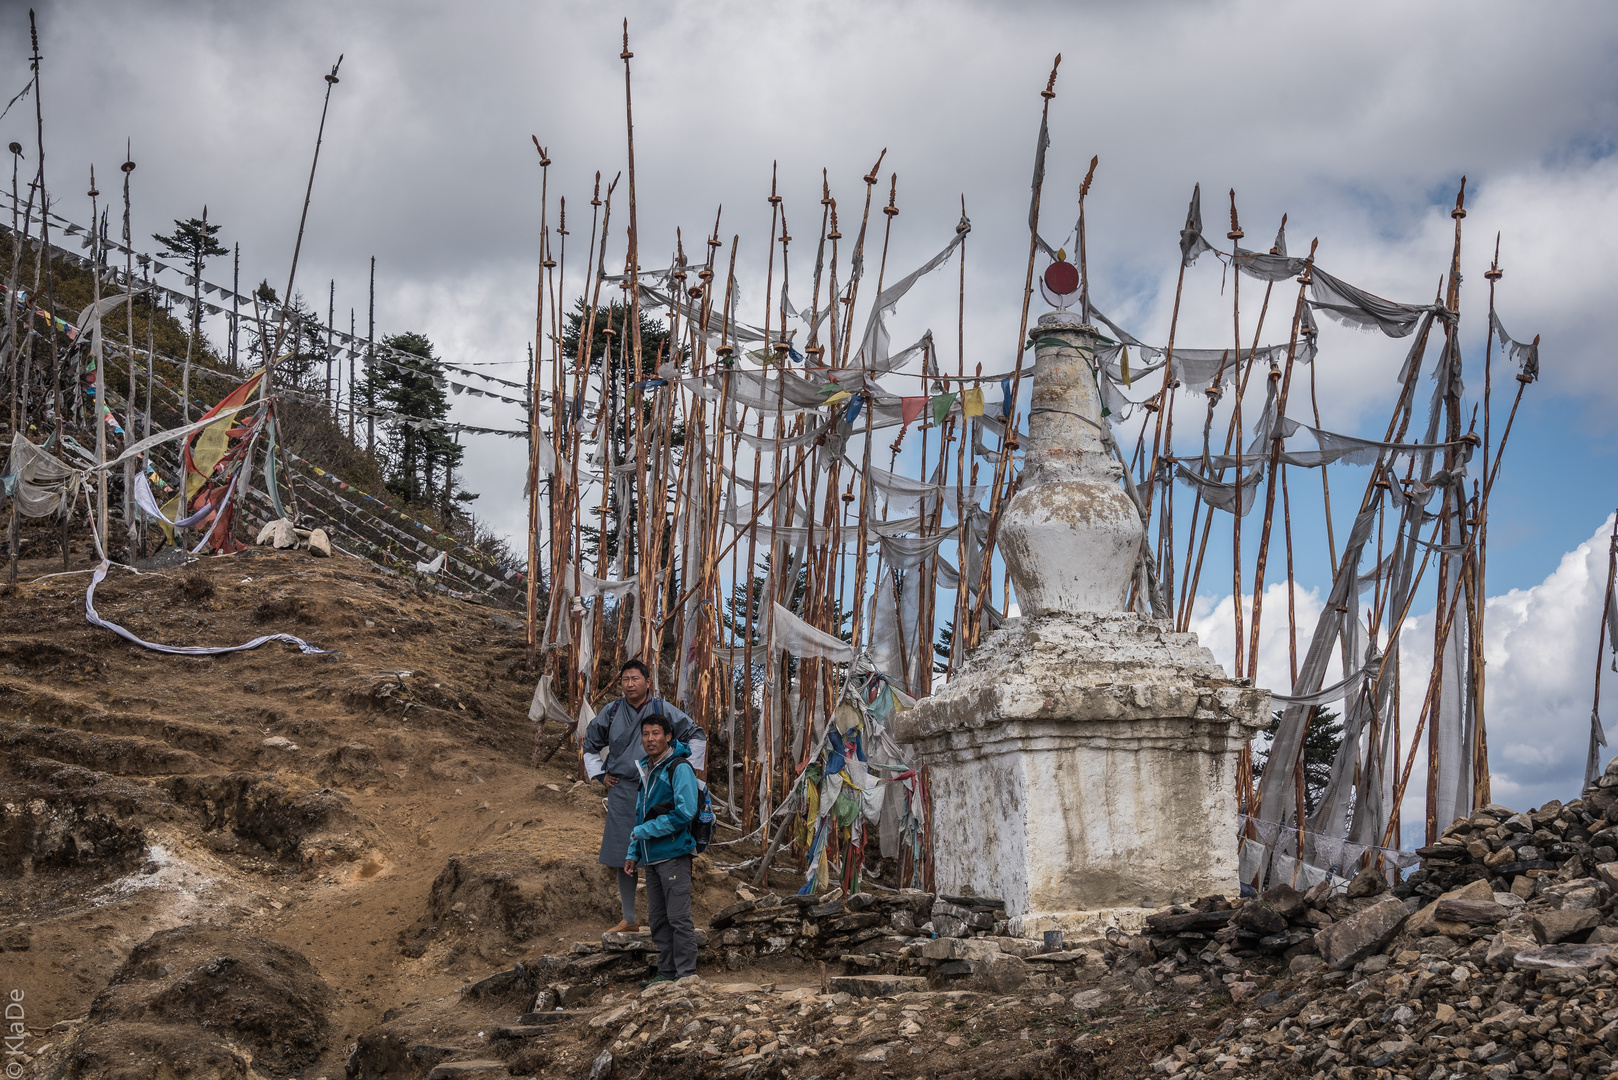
[[1346, 943]]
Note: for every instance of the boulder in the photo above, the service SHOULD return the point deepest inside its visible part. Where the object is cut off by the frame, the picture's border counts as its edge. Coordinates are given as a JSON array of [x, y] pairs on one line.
[[1346, 943], [999, 973], [1176, 921], [319, 543], [1088, 999], [1258, 917], [1472, 890], [1470, 912], [1563, 959], [1553, 927], [1505, 947], [1368, 882], [279, 533], [959, 949], [1286, 901], [1428, 921]]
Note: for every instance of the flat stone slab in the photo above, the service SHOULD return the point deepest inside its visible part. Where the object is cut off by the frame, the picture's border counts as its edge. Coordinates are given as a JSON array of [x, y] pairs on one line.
[[1471, 912], [1344, 944], [959, 948], [1555, 927], [1571, 959], [523, 1031], [466, 1070], [546, 1019], [879, 1054], [640, 942], [501, 982], [1070, 956], [876, 985]]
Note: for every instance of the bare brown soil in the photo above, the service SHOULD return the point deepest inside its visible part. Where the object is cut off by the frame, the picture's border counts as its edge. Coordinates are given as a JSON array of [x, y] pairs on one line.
[[306, 800], [250, 865]]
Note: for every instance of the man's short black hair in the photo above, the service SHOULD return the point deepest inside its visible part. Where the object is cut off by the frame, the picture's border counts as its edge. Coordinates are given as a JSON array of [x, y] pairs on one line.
[[635, 665], [660, 720]]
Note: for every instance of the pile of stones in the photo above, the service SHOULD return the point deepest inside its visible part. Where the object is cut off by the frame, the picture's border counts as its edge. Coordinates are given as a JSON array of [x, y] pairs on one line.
[[940, 941], [949, 941], [859, 1025], [1496, 958], [865, 928], [1438, 997], [1513, 851]]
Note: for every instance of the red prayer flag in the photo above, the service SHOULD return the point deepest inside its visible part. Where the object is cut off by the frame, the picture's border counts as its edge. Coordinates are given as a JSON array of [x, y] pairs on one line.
[[911, 407]]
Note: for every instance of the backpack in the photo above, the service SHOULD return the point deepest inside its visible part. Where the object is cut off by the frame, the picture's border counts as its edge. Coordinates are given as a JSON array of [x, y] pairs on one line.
[[702, 822]]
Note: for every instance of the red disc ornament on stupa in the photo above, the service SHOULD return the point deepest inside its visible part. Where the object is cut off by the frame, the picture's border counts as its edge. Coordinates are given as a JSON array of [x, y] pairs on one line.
[[1060, 283]]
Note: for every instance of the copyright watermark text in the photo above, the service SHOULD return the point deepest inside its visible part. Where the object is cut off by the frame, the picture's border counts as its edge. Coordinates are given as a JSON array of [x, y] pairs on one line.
[[16, 1035]]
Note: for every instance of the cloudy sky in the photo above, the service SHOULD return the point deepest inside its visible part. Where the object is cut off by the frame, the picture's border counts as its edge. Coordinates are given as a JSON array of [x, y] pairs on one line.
[[1357, 121]]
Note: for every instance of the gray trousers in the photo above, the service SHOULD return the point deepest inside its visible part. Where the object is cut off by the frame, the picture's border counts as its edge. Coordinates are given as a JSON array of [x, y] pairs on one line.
[[668, 906]]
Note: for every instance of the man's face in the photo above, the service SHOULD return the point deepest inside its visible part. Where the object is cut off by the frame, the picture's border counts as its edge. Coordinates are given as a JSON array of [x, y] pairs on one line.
[[653, 739], [634, 685]]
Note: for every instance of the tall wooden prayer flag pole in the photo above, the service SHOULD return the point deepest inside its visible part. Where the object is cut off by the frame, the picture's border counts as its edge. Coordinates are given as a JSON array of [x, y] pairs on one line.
[[532, 592], [969, 637]]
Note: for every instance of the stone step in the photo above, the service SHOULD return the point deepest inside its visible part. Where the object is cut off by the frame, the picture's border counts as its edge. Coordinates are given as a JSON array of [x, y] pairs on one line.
[[876, 985], [636, 942], [514, 980], [547, 1019]]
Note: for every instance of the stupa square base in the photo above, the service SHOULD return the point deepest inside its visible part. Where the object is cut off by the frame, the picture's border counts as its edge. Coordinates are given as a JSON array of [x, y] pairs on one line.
[[1084, 763]]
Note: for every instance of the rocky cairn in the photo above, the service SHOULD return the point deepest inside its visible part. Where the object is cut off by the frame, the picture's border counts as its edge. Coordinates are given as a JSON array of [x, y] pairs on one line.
[[1495, 958]]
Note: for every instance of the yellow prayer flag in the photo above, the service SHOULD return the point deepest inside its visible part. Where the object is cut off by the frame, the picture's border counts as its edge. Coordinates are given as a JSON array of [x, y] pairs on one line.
[[972, 402]]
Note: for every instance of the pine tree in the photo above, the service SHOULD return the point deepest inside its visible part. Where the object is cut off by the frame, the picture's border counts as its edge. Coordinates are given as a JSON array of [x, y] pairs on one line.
[[1320, 748], [192, 240], [421, 460], [268, 298]]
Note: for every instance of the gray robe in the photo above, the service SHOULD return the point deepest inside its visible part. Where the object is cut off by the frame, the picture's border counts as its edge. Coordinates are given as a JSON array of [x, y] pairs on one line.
[[612, 745]]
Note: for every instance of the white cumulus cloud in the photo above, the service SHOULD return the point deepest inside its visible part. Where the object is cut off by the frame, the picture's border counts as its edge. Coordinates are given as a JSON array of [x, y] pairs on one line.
[[1540, 649]]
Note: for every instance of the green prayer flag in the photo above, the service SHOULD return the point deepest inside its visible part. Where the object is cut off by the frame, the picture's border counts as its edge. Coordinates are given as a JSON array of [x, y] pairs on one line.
[[941, 406]]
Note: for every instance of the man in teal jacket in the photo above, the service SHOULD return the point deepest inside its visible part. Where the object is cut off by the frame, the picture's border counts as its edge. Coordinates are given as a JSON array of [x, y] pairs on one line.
[[661, 841]]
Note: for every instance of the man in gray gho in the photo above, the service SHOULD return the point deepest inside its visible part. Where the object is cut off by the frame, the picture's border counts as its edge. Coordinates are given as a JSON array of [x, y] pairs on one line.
[[612, 749]]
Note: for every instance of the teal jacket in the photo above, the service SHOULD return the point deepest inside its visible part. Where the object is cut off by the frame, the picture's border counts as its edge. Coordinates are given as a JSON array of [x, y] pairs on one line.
[[663, 812]]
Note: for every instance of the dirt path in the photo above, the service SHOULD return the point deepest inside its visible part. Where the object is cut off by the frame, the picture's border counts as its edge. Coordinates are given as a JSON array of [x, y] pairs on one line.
[[309, 800]]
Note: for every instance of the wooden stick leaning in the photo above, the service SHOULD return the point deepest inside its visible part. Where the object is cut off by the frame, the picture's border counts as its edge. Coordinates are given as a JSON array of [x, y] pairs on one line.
[[998, 493]]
